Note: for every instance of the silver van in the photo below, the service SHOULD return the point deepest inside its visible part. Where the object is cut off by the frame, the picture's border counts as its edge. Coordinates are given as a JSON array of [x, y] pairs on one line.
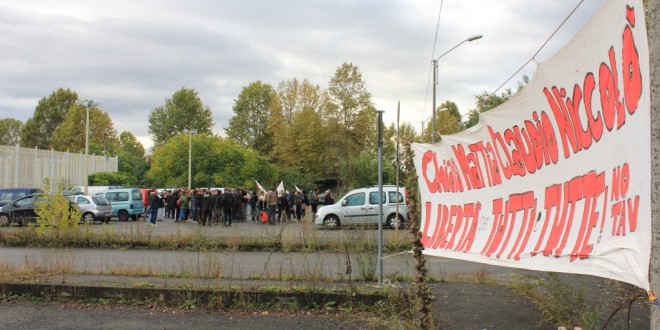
[[360, 207]]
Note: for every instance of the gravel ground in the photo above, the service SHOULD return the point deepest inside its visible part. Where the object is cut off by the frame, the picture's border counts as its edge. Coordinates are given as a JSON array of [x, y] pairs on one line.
[[50, 315]]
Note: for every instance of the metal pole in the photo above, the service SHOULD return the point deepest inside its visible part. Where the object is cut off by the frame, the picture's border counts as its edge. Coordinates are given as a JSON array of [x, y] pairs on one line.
[[189, 159], [85, 179], [380, 197], [654, 66], [398, 139], [435, 76], [435, 82]]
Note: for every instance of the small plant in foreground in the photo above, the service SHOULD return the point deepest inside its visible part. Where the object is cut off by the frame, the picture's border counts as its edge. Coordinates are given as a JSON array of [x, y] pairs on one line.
[[561, 303]]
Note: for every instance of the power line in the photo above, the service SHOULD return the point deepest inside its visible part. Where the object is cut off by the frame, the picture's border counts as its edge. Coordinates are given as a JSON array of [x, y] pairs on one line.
[[435, 40], [523, 66], [540, 48]]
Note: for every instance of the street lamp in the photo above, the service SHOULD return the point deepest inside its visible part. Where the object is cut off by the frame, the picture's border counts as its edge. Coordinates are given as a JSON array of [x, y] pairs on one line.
[[190, 133], [88, 104], [435, 76]]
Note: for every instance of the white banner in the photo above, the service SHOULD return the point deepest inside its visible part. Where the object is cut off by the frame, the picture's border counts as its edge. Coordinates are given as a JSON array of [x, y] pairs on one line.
[[558, 177]]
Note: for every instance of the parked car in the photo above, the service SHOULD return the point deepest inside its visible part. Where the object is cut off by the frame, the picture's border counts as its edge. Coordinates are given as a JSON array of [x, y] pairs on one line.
[[126, 202], [360, 207], [93, 208], [11, 194], [22, 211]]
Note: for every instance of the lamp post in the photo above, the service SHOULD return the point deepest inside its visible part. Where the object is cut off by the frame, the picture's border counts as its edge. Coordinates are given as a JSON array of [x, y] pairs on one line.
[[190, 132], [435, 77], [88, 104]]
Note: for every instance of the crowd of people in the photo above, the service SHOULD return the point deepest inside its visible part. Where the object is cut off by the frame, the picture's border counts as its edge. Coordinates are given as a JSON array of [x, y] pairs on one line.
[[209, 207]]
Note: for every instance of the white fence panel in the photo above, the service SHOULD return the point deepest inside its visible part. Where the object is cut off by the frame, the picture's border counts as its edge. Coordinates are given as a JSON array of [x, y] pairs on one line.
[[27, 167]]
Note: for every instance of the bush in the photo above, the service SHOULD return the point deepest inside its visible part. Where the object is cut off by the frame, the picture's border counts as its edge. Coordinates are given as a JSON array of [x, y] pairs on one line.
[[54, 214], [108, 179]]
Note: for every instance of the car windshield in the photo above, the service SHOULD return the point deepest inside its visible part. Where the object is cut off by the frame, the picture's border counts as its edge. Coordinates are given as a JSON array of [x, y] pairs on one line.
[[100, 200]]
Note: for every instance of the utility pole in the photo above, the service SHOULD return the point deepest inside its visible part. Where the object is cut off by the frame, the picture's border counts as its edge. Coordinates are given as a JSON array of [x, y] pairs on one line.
[[654, 67]]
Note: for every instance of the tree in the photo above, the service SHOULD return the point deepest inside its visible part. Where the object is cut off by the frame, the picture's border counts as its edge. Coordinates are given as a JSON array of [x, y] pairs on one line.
[[132, 161], [48, 115], [70, 134], [447, 121], [487, 101], [251, 114], [296, 128], [350, 116], [366, 171], [215, 162], [10, 131], [183, 112], [407, 135], [110, 179]]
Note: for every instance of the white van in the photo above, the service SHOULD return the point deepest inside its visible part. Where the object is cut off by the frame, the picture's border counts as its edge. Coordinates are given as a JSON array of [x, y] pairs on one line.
[[360, 207]]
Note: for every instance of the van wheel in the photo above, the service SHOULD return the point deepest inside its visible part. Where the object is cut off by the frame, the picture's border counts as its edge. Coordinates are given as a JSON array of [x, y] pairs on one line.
[[392, 221], [88, 218], [331, 222], [123, 215], [4, 220]]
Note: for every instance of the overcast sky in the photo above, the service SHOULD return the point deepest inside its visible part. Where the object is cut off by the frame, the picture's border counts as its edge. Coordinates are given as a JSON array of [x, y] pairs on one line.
[[130, 56]]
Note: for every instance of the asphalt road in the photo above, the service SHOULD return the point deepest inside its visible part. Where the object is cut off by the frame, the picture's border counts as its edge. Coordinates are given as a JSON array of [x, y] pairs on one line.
[[459, 305], [48, 315]]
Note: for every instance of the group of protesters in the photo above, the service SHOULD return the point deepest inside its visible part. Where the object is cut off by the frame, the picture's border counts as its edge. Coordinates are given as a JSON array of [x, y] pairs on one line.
[[209, 207]]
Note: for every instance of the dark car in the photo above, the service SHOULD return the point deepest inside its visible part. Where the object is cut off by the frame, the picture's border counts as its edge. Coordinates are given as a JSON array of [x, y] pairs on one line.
[[11, 194], [22, 211]]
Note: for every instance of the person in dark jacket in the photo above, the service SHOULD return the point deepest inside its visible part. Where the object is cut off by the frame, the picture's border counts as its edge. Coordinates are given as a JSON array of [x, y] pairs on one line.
[[254, 199], [328, 198], [219, 205], [236, 206], [282, 207], [175, 206], [168, 204], [298, 200], [154, 202], [206, 207], [229, 203]]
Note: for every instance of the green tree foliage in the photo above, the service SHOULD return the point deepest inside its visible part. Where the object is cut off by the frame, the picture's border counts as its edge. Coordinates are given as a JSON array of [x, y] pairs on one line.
[[215, 162], [487, 101], [110, 179], [70, 134], [297, 127], [48, 115], [55, 216], [350, 118], [407, 134], [10, 131], [132, 161], [251, 114], [365, 169], [183, 112], [447, 122]]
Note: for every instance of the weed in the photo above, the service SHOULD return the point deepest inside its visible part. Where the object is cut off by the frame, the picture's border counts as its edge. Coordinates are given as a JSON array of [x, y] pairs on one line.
[[143, 284], [561, 303]]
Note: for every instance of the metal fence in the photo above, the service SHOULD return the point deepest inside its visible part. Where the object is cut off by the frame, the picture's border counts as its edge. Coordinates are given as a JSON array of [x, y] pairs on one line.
[[27, 167]]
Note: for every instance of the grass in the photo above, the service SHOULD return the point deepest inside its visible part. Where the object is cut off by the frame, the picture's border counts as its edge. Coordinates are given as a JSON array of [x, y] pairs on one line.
[[139, 237], [570, 305]]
